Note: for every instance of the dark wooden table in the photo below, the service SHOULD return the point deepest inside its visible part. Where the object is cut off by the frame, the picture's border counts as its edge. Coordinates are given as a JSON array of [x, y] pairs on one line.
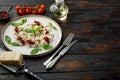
[[96, 56]]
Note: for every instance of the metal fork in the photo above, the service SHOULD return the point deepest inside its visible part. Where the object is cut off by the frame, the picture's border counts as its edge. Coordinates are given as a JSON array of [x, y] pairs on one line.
[[65, 43]]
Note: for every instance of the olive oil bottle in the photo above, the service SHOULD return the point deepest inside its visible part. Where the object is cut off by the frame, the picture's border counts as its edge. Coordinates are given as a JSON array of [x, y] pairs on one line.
[[59, 10]]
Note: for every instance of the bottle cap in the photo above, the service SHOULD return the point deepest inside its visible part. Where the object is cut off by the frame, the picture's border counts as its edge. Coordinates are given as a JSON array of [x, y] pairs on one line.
[[59, 1]]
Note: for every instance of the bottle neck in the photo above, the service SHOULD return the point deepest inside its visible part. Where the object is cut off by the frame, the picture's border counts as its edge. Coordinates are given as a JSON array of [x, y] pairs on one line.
[[59, 2]]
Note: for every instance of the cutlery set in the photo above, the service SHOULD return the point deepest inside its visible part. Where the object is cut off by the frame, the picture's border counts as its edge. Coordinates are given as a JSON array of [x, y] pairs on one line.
[[67, 44]]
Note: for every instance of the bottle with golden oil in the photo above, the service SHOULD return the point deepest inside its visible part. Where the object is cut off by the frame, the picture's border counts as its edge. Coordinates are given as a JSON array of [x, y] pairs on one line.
[[59, 10]]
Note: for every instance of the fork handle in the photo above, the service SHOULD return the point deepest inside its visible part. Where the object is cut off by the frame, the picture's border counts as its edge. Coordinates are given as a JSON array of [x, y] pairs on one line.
[[48, 60], [36, 77]]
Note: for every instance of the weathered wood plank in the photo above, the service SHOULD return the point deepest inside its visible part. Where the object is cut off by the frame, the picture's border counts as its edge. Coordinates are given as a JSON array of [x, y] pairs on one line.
[[72, 62], [101, 75], [96, 56]]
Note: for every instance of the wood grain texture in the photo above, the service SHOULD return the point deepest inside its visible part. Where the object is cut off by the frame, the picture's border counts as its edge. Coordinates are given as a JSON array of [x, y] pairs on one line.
[[96, 56]]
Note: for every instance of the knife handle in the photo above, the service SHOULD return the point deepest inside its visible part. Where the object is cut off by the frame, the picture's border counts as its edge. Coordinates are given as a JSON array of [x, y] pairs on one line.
[[50, 65], [50, 59]]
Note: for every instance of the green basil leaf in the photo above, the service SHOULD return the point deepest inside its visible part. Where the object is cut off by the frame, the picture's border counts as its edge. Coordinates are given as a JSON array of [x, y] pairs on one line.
[[24, 21], [52, 26], [15, 24], [19, 23], [35, 51], [8, 39], [15, 44], [39, 28], [33, 31], [28, 30], [47, 47]]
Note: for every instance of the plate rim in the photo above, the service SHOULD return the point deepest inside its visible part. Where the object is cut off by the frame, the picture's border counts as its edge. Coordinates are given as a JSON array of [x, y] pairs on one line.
[[31, 15]]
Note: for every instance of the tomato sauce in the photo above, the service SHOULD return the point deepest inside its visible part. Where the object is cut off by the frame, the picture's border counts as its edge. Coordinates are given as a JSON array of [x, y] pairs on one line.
[[4, 15]]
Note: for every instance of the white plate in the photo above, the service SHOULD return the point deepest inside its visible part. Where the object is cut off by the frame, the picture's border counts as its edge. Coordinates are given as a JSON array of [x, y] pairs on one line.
[[9, 30]]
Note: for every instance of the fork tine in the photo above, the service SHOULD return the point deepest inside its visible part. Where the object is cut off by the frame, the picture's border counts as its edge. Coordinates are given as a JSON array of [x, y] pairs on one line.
[[68, 39]]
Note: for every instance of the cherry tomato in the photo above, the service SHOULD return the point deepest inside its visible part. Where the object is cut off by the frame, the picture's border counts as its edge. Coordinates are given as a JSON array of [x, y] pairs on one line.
[[16, 29], [17, 7], [46, 39], [30, 42], [26, 6], [43, 6], [34, 11], [40, 11], [47, 32], [19, 38], [21, 12], [23, 8], [22, 41], [28, 11], [37, 7], [37, 22]]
